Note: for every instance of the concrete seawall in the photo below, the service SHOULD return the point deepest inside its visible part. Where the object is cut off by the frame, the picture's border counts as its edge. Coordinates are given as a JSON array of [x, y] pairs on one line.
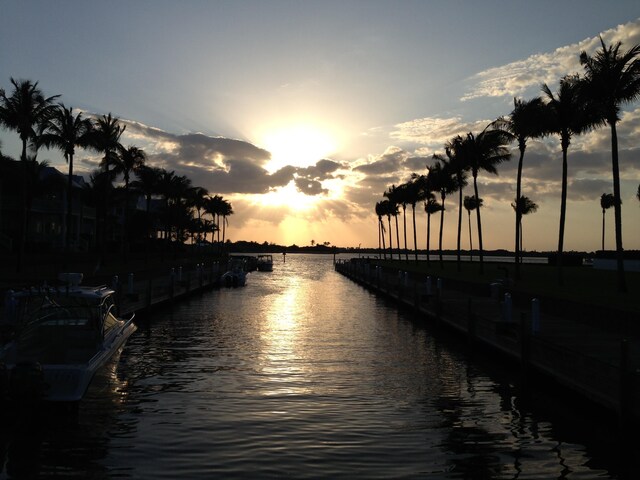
[[600, 366]]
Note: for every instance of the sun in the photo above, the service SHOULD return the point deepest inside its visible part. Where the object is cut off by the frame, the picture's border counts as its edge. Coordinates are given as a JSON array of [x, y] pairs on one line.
[[299, 145]]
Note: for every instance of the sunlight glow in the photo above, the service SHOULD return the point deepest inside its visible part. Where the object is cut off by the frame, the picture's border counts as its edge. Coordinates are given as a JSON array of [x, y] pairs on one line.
[[299, 145], [287, 197]]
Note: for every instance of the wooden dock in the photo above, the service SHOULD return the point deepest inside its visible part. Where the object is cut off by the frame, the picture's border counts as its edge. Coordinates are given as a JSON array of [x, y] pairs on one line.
[[598, 364], [140, 296]]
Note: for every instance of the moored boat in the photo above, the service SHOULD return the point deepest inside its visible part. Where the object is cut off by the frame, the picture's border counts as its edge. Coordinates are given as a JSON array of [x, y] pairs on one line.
[[236, 276], [265, 263], [62, 336]]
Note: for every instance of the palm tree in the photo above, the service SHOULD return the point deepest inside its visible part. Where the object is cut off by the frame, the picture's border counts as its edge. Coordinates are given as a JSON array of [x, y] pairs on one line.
[[225, 211], [380, 212], [471, 203], [25, 111], [567, 115], [197, 199], [431, 206], [612, 79], [105, 138], [416, 192], [393, 194], [66, 131], [607, 200], [126, 162], [458, 165], [443, 178], [402, 198], [483, 152], [147, 184], [525, 121], [523, 206]]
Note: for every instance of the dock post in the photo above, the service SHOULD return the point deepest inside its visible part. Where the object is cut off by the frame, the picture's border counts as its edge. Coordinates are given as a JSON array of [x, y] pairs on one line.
[[507, 307], [524, 346], [535, 316], [179, 274]]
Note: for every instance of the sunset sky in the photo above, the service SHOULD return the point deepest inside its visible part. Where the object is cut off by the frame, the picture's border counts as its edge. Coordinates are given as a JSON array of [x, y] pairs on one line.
[[302, 113]]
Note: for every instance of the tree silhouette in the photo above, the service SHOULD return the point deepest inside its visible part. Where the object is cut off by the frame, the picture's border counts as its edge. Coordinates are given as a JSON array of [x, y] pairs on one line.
[[525, 121], [66, 131], [607, 200], [523, 206], [471, 203], [380, 212], [484, 152], [612, 79], [25, 111], [567, 115]]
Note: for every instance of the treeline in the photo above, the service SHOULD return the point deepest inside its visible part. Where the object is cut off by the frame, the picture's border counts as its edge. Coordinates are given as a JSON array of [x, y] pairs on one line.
[[582, 103], [176, 210]]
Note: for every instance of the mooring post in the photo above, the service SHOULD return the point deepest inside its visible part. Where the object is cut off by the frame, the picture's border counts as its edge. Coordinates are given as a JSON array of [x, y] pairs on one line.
[[524, 346], [535, 316]]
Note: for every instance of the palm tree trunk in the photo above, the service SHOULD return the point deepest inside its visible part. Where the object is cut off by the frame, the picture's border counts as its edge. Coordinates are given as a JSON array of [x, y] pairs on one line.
[[404, 226], [441, 225], [390, 238], [617, 206], [379, 241], [67, 243], [415, 236], [563, 212], [480, 249], [459, 222], [518, 213], [603, 210], [398, 239], [470, 239], [428, 237], [23, 220], [384, 247]]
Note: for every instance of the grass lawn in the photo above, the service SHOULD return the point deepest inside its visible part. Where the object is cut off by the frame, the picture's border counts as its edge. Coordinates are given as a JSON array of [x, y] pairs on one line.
[[582, 284]]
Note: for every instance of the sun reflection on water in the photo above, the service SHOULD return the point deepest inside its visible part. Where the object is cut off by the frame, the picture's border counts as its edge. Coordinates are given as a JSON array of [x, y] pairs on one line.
[[282, 357]]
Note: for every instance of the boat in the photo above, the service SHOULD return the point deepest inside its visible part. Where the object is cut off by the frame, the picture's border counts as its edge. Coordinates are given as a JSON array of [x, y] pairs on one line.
[[62, 337], [265, 263], [236, 276]]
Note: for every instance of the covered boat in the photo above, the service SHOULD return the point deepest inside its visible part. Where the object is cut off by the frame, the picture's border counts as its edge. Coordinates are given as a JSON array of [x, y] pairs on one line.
[[62, 336], [265, 263]]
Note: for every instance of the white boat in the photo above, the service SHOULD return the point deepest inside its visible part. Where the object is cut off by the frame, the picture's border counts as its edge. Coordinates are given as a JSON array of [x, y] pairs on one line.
[[265, 263], [62, 337], [236, 276]]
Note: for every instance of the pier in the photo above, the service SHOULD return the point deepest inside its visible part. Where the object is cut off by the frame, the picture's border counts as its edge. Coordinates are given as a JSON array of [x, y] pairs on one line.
[[601, 365]]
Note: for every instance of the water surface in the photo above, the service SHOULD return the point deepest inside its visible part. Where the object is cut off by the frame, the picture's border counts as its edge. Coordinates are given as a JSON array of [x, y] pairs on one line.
[[304, 374]]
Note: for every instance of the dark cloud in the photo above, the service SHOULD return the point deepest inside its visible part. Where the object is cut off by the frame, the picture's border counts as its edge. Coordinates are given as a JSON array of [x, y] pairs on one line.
[[388, 162], [321, 170], [309, 186], [588, 189], [418, 164]]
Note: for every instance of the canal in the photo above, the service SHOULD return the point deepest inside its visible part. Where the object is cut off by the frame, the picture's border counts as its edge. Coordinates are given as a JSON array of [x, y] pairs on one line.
[[304, 374]]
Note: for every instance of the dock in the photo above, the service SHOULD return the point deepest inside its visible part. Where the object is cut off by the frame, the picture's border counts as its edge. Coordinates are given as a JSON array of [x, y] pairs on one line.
[[601, 365]]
